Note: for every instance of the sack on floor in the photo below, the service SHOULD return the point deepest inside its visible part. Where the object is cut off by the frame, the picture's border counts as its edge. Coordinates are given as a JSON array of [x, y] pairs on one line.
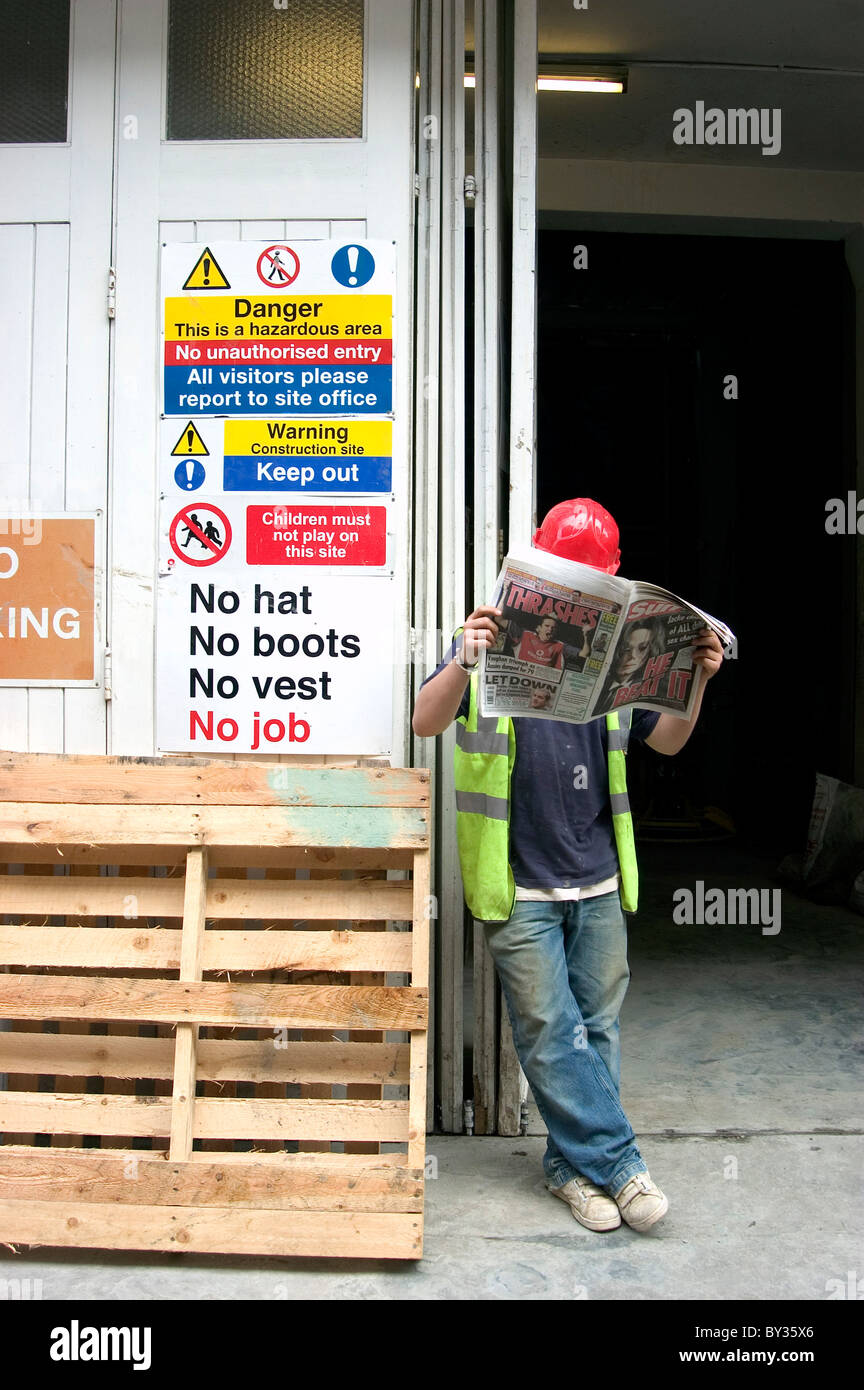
[[834, 859]]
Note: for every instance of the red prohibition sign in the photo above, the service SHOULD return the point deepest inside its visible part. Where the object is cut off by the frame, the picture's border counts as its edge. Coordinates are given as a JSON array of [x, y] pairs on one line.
[[190, 519], [278, 267]]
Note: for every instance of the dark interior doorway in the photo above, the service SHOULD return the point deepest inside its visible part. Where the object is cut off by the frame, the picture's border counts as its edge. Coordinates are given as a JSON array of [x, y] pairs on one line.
[[722, 500]]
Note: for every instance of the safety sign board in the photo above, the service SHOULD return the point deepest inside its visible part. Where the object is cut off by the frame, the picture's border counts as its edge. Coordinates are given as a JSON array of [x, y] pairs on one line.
[[277, 456], [319, 342], [353, 265], [208, 532], [271, 664], [308, 455], [278, 266], [274, 626], [206, 274], [280, 534], [190, 474], [48, 601], [190, 442]]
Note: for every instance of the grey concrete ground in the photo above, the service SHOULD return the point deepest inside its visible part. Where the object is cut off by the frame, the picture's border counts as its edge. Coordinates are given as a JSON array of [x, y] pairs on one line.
[[743, 1063]]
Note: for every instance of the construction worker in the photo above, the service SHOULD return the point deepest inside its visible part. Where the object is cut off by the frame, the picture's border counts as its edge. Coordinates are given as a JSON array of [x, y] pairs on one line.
[[547, 858]]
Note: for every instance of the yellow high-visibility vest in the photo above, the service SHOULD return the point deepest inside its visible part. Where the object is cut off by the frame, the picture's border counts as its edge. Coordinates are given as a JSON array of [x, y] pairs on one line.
[[483, 765]]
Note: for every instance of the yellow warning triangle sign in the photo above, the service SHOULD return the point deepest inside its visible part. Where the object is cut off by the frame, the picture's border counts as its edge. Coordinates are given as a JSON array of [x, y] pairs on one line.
[[206, 274], [190, 443]]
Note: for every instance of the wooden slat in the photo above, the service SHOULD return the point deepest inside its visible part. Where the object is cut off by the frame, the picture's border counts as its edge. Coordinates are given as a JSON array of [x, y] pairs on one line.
[[486, 1034], [221, 856], [323, 900], [209, 1230], [196, 782], [116, 948], [223, 1088], [511, 1082], [191, 956], [72, 1113], [325, 1164], [419, 971], [135, 1178], [108, 948], [89, 897], [76, 1027], [51, 1054], [150, 1116], [302, 1119], [356, 1090], [366, 899], [34, 823], [212, 1002], [314, 1090], [26, 1082]]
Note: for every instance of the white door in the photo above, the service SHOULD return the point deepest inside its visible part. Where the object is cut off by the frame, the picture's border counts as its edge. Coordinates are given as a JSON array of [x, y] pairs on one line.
[[239, 71], [55, 252]]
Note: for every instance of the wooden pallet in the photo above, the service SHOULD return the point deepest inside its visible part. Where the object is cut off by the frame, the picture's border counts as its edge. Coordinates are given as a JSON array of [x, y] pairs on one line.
[[175, 1079]]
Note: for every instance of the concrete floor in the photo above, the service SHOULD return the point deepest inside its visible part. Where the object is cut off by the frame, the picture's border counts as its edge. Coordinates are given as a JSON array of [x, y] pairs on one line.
[[742, 1076]]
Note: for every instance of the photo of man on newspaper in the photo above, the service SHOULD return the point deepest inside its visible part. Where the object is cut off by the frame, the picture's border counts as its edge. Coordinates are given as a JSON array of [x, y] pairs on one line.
[[546, 645], [545, 642], [641, 641], [573, 653]]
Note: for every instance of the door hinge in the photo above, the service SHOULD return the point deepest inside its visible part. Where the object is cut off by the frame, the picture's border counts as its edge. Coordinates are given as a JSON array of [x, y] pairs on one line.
[[417, 185], [106, 675], [470, 188], [112, 291]]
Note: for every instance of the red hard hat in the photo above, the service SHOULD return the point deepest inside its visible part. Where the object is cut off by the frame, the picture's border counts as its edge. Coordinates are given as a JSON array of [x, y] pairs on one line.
[[580, 529]]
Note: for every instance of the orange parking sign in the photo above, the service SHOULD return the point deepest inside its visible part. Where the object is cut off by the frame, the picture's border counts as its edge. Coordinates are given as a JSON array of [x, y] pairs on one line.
[[47, 599]]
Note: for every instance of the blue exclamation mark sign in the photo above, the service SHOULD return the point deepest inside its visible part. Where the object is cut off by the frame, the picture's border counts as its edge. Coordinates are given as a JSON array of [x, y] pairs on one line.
[[189, 474], [353, 266]]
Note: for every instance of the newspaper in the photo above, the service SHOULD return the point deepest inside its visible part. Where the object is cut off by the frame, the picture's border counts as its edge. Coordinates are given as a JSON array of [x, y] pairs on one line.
[[575, 643]]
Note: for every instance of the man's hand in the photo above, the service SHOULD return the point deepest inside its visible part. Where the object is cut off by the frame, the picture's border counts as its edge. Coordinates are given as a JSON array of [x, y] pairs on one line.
[[440, 698], [708, 652], [671, 733], [480, 633]]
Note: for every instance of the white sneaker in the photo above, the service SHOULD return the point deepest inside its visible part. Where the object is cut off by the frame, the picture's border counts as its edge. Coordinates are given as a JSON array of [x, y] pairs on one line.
[[641, 1202], [590, 1205]]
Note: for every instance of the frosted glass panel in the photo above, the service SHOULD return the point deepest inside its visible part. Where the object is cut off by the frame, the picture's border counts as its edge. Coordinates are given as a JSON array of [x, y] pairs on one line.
[[255, 70], [34, 71]]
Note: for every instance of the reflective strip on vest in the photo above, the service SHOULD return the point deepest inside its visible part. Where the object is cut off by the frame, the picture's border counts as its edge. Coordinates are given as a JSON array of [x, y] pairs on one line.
[[622, 822], [483, 740], [482, 765], [479, 804]]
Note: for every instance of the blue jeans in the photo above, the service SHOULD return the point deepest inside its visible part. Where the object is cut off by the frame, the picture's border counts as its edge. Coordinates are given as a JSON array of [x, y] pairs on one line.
[[563, 969]]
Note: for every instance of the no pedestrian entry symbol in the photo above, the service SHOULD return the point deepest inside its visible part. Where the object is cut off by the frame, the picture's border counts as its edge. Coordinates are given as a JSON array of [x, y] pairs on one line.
[[278, 267], [207, 534]]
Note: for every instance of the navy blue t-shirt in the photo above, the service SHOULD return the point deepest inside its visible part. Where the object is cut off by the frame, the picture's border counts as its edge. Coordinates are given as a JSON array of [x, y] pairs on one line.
[[561, 833]]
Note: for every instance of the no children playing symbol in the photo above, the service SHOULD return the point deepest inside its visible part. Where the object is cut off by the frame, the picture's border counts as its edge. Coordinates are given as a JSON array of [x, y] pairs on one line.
[[208, 534]]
